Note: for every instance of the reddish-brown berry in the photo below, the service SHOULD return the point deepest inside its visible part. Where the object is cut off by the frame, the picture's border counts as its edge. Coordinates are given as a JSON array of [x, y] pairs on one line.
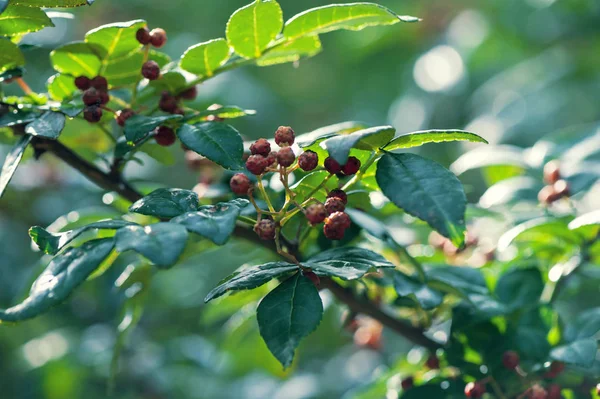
[[284, 136], [313, 277], [123, 115], [265, 229], [256, 164], [104, 97], [158, 37], [99, 83], [474, 390], [151, 70], [83, 83], [189, 94], [338, 193], [308, 160], [240, 184], [316, 213], [407, 383], [333, 232], [557, 367], [272, 159], [143, 36], [433, 362], [165, 136], [168, 103], [552, 172], [352, 166], [561, 188], [91, 97], [261, 147], [286, 157], [92, 114], [554, 391], [334, 204], [548, 195], [332, 166], [179, 111], [510, 360], [338, 220]]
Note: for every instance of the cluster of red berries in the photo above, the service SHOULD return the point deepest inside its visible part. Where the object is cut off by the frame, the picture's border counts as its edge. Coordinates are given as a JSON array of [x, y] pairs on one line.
[[332, 213], [156, 37], [556, 188], [95, 95], [171, 104], [351, 167], [511, 360]]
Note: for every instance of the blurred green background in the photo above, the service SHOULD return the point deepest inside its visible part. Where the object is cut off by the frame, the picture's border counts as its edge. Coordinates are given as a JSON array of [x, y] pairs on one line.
[[509, 70]]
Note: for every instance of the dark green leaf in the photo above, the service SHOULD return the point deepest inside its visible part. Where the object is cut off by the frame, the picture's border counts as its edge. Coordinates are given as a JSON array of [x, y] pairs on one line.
[[288, 314], [11, 74], [3, 5], [585, 325], [368, 139], [53, 3], [520, 288], [407, 286], [250, 278], [291, 51], [580, 353], [10, 56], [161, 243], [138, 127], [76, 59], [12, 161], [347, 263], [216, 141], [204, 58], [416, 139], [425, 189], [17, 118], [17, 20], [166, 203], [49, 125], [215, 222], [465, 279], [64, 273]]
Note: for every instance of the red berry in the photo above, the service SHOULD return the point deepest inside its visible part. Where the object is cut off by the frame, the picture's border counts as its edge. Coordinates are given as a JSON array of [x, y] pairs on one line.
[[407, 383], [99, 83], [104, 97], [286, 157], [551, 172], [338, 193], [561, 188], [313, 277], [240, 184], [338, 220], [272, 159], [151, 70], [189, 94], [91, 97], [316, 213], [474, 390], [165, 136], [83, 83], [548, 195], [143, 36], [510, 360], [167, 103], [557, 367], [334, 204], [284, 136], [333, 232], [158, 37], [179, 111], [123, 115], [92, 114], [433, 362], [261, 147], [256, 164], [308, 160], [332, 166], [352, 166], [554, 391], [265, 229]]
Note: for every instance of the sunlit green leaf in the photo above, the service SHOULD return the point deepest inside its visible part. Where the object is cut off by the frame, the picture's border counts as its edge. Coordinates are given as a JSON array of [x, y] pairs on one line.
[[10, 55], [61, 87], [368, 139], [16, 20], [139, 127], [204, 58], [292, 51], [580, 353], [416, 139], [76, 59]]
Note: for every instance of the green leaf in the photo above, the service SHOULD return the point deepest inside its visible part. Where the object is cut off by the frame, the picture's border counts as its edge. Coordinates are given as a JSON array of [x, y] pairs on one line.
[[10, 55], [544, 229], [416, 139], [64, 273], [12, 162], [580, 353], [310, 182], [465, 279], [225, 112], [288, 314], [49, 125], [250, 278], [61, 87], [161, 243], [291, 51], [53, 3], [520, 288], [408, 286], [166, 203], [531, 336], [204, 58], [11, 74], [117, 38], [587, 219], [216, 141], [3, 5], [425, 189], [125, 70], [308, 139], [51, 243], [498, 155], [368, 139], [17, 117], [585, 325], [355, 17], [347, 263], [17, 20], [252, 28], [138, 127], [76, 59]]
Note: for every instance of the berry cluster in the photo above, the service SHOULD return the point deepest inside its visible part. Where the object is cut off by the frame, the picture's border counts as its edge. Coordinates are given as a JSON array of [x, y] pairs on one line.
[[95, 96], [556, 188], [351, 167]]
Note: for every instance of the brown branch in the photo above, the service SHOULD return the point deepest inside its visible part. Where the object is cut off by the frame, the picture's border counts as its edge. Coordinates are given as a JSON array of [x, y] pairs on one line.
[[114, 182]]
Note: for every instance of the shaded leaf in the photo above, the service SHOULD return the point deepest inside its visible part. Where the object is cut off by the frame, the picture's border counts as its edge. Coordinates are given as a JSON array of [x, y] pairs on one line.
[[17, 118], [12, 162], [348, 263], [166, 203], [407, 286], [49, 125], [368, 139], [580, 353], [10, 56], [76, 59], [520, 288], [204, 58], [416, 139], [11, 74], [465, 279], [585, 325], [216, 141], [138, 127]]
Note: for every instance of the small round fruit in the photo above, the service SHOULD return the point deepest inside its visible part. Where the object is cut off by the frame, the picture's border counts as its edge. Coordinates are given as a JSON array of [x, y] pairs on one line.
[[351, 167], [553, 391], [151, 70], [548, 195], [433, 362], [333, 232], [407, 383], [332, 166], [286, 157], [91, 97], [99, 83], [104, 97], [284, 136], [561, 188], [123, 115], [261, 147], [143, 36], [316, 213], [189, 94], [265, 229], [272, 159], [338, 193], [537, 392], [474, 390], [165, 136], [92, 114], [338, 220], [334, 204], [83, 83], [313, 277], [168, 103], [557, 367], [552, 172], [598, 389], [240, 184], [510, 360], [256, 164], [308, 160], [158, 37]]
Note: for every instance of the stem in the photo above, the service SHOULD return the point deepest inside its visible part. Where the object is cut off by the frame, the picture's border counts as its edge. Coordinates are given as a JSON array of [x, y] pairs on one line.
[[261, 188], [24, 86], [246, 219]]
